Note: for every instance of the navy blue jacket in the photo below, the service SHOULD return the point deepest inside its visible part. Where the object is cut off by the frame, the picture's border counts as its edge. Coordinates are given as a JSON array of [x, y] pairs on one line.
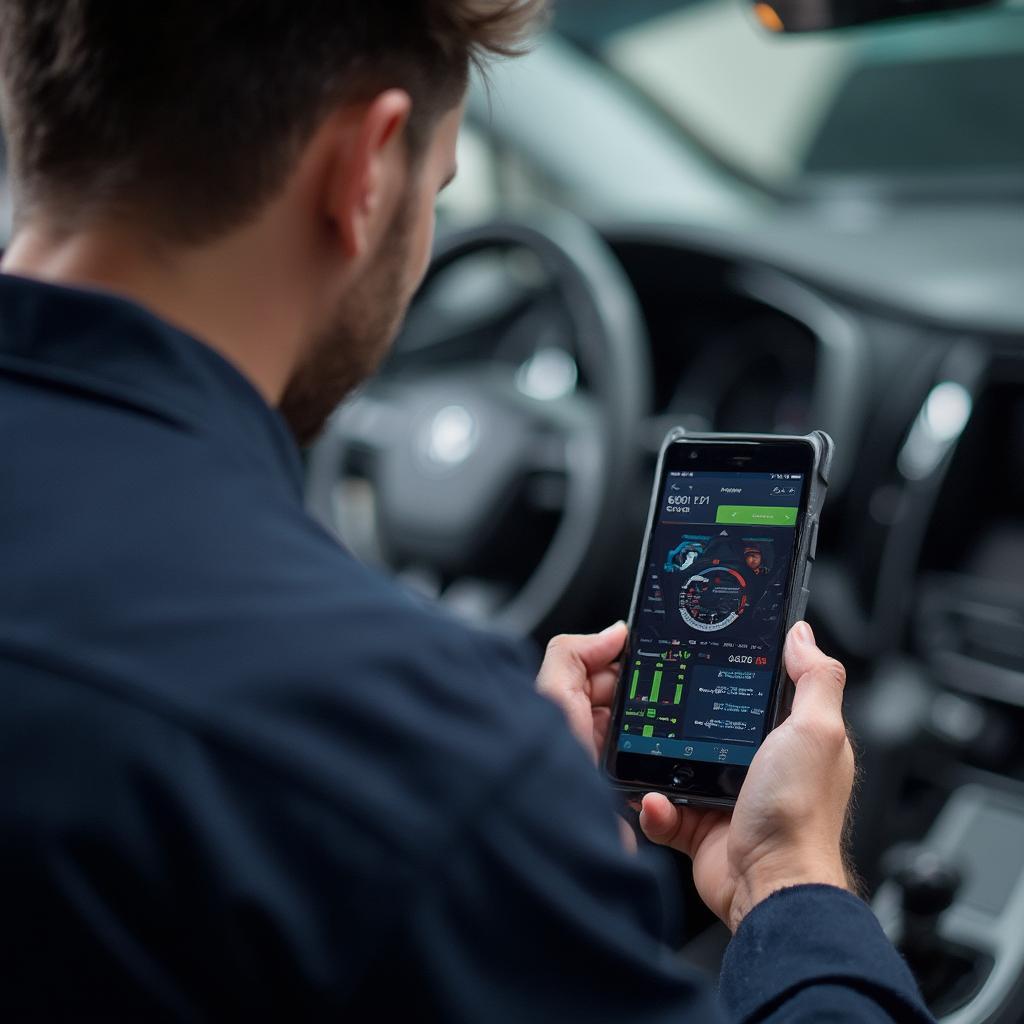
[[245, 777]]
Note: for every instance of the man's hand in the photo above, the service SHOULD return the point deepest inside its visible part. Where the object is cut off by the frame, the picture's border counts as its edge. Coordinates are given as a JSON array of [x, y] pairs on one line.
[[579, 674], [788, 823]]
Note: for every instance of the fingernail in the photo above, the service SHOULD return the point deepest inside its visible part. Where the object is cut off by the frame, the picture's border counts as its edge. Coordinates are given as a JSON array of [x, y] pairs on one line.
[[612, 628], [803, 634]]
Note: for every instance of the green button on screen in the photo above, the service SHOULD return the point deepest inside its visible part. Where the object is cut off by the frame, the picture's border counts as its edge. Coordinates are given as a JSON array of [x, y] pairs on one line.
[[756, 515]]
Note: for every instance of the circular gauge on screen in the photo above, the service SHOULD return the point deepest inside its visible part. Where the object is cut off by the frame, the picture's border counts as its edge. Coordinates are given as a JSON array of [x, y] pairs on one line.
[[713, 599]]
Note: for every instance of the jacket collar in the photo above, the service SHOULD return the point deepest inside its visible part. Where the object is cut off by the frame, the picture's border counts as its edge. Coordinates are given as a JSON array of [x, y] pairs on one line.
[[109, 347]]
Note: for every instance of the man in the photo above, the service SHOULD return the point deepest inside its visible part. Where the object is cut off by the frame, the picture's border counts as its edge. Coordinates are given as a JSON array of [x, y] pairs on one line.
[[755, 560], [245, 777]]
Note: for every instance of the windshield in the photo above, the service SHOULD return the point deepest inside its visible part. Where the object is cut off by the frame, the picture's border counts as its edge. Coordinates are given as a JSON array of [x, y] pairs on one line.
[[918, 102]]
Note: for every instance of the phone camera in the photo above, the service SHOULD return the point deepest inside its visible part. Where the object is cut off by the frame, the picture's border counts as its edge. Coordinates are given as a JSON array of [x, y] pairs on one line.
[[682, 776], [694, 455]]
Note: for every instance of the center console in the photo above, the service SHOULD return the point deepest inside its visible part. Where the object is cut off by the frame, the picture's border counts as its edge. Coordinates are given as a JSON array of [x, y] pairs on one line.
[[955, 907]]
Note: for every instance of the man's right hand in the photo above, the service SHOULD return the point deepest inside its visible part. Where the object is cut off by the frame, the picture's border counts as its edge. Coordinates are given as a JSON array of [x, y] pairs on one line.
[[787, 827]]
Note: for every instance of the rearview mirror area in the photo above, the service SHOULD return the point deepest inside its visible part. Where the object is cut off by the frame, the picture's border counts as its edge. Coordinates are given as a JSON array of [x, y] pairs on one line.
[[785, 16]]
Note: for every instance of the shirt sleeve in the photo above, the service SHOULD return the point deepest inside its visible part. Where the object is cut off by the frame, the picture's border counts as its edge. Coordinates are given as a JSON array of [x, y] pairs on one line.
[[815, 952]]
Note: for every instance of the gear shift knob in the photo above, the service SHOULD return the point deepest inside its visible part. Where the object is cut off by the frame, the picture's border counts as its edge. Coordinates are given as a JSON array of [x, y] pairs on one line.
[[929, 882], [950, 974], [928, 885]]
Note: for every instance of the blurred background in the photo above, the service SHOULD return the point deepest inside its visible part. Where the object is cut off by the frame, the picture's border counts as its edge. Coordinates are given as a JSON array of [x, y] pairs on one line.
[[670, 214]]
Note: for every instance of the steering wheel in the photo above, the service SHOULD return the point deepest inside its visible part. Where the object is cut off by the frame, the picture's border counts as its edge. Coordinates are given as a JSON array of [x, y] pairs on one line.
[[484, 464]]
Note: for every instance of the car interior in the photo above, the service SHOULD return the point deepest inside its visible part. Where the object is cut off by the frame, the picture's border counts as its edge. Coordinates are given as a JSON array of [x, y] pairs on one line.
[[748, 217], [859, 273]]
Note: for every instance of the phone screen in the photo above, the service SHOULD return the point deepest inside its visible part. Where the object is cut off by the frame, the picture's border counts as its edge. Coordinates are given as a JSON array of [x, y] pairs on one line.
[[705, 650]]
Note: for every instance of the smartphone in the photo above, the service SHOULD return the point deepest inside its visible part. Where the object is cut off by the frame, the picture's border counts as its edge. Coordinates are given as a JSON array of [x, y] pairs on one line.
[[731, 538]]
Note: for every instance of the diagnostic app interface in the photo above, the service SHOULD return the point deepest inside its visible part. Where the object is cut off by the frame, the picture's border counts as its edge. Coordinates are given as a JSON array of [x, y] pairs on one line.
[[709, 625]]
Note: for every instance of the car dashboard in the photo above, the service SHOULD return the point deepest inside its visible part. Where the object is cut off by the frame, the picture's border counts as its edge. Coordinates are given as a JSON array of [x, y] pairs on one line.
[[927, 496]]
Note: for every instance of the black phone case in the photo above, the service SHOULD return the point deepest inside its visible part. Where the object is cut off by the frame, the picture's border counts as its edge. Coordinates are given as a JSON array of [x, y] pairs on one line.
[[824, 448]]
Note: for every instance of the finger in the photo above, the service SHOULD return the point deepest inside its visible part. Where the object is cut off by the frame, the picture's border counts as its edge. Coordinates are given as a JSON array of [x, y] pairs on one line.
[[594, 650], [571, 660], [660, 820], [682, 828], [819, 679], [599, 650], [602, 686]]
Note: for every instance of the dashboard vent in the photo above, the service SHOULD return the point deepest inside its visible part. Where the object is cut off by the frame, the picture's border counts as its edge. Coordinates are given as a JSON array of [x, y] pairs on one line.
[[972, 633]]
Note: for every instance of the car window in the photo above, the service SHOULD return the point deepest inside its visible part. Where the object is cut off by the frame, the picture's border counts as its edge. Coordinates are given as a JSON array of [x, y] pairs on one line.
[[475, 193], [491, 177], [933, 97]]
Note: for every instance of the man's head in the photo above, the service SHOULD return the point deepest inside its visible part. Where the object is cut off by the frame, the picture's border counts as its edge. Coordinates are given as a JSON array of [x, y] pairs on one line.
[[754, 559], [331, 122]]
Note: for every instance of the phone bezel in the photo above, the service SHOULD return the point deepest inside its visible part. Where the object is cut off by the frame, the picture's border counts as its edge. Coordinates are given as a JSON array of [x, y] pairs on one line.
[[702, 781]]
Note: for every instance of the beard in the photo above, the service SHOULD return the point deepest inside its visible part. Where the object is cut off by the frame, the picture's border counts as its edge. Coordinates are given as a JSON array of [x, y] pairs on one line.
[[351, 348]]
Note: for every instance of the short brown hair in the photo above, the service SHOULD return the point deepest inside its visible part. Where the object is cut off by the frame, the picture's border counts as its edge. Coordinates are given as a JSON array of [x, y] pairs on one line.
[[189, 114]]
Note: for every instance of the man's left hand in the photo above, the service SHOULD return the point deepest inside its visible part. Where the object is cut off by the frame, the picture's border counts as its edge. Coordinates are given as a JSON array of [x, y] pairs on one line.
[[579, 674]]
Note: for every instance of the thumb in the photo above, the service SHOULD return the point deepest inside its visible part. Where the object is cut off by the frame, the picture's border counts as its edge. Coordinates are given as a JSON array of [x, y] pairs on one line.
[[819, 679], [593, 651], [601, 649]]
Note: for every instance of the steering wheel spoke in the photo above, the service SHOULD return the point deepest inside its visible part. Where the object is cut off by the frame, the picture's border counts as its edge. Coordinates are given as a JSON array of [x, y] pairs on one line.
[[552, 459], [476, 599], [370, 420]]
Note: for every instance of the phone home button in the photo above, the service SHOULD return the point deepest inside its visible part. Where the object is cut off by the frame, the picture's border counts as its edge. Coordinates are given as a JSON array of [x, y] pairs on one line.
[[682, 776]]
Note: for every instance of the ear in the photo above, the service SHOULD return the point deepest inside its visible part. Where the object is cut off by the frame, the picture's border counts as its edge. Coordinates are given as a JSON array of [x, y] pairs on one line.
[[368, 171]]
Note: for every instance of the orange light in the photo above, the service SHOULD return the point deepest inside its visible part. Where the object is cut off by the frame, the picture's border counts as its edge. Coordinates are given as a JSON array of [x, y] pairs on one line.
[[769, 17]]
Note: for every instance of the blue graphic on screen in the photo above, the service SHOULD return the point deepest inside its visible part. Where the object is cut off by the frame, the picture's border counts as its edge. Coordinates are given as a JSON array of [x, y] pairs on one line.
[[708, 633]]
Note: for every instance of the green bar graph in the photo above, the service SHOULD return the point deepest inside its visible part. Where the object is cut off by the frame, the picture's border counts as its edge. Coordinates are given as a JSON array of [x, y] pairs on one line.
[[656, 687], [679, 693], [648, 730], [632, 688]]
